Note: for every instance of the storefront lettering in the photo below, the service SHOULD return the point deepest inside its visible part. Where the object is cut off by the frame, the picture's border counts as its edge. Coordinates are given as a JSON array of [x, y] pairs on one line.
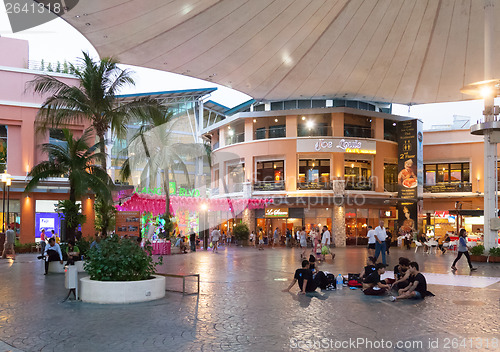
[[322, 144], [183, 192], [276, 212], [344, 145]]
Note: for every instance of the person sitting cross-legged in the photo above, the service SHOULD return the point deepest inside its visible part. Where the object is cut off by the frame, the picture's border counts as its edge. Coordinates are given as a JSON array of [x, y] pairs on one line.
[[52, 253], [372, 285], [417, 289], [307, 281]]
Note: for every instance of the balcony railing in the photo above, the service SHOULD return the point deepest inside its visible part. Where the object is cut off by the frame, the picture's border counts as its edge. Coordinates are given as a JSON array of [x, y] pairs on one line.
[[314, 185], [236, 138], [358, 184], [390, 187], [314, 131], [358, 131], [271, 132], [448, 187], [269, 186]]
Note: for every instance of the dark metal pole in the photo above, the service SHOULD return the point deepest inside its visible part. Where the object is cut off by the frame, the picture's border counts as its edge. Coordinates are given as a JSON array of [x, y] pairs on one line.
[[8, 203], [3, 209]]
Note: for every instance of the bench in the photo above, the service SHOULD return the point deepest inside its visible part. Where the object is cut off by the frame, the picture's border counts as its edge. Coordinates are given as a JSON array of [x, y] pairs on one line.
[[58, 268], [183, 277]]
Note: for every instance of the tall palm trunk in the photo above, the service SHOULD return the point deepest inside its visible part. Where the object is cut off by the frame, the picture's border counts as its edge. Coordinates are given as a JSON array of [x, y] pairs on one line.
[[102, 149]]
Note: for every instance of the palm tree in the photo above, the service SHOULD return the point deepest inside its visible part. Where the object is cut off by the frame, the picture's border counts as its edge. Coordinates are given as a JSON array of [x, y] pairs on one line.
[[156, 148], [77, 161], [93, 100]]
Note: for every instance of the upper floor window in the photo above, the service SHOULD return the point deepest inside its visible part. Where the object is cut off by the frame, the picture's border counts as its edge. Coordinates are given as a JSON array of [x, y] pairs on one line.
[[3, 148], [314, 125], [357, 126], [314, 174], [270, 127], [446, 173], [390, 130], [270, 175]]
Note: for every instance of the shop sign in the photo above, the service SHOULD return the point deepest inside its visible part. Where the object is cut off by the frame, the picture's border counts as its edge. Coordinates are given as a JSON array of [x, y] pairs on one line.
[[182, 192], [276, 213], [336, 145], [441, 214]]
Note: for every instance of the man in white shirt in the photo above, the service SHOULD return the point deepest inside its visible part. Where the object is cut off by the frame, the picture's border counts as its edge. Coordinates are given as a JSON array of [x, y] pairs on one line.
[[325, 241], [215, 239], [380, 236], [52, 253], [371, 240]]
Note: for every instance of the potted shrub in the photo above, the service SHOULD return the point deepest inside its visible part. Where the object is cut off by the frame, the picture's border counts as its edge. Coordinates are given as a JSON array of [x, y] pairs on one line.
[[494, 255], [241, 233], [477, 254], [120, 271]]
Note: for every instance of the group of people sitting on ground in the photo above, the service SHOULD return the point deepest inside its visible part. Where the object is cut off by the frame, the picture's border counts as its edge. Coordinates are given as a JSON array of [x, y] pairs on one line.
[[308, 278], [408, 281]]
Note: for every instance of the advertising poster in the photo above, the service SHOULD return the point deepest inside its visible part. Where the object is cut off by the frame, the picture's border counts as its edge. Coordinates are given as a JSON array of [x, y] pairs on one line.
[[47, 221], [128, 223], [410, 174]]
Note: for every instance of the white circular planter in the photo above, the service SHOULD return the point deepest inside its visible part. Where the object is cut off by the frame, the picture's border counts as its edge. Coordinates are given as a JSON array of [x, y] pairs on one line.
[[108, 292]]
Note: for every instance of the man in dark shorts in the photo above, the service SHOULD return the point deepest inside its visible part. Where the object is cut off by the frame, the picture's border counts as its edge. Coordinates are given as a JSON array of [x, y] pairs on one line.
[[417, 289], [371, 240], [372, 285], [307, 282]]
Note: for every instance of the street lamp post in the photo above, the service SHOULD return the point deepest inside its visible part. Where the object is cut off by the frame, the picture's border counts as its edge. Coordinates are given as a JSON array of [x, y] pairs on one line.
[[6, 180]]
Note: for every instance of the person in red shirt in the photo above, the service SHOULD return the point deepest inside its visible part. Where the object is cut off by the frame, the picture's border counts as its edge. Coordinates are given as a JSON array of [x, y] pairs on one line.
[[42, 240]]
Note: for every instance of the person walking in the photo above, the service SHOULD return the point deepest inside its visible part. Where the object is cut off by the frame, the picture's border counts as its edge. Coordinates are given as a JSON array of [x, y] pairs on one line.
[[303, 242], [10, 240], [325, 243], [42, 241], [192, 239], [215, 240], [462, 250], [371, 240], [380, 236], [276, 237], [388, 241]]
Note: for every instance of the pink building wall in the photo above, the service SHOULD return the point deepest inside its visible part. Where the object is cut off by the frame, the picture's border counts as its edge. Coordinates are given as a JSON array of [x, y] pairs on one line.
[[18, 109]]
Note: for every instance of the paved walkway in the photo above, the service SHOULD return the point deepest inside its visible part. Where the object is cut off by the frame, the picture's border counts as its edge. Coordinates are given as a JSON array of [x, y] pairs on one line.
[[241, 308]]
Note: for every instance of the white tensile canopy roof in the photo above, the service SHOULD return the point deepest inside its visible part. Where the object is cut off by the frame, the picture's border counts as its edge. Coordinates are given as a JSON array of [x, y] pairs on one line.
[[401, 51]]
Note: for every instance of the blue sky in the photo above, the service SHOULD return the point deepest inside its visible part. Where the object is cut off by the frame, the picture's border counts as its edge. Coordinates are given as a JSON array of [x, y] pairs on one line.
[[51, 42]]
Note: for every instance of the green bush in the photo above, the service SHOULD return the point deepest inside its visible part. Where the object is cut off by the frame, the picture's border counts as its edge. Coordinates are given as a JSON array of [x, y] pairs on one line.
[[241, 232], [84, 246], [477, 250], [495, 252], [116, 259]]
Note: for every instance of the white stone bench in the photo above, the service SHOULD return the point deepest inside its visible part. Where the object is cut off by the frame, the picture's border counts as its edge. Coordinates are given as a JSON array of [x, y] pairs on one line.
[[58, 268]]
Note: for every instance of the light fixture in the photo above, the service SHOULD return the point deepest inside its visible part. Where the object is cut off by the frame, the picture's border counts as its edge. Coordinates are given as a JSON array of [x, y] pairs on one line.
[[352, 166], [303, 118], [254, 120], [310, 124], [231, 132], [228, 127], [5, 177], [275, 120], [394, 123], [204, 207]]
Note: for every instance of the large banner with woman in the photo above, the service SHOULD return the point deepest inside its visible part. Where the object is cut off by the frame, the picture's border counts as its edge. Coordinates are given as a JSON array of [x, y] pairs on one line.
[[410, 175]]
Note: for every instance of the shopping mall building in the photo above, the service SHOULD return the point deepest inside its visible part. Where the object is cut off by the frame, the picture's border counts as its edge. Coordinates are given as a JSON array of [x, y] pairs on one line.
[[323, 162], [335, 163]]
